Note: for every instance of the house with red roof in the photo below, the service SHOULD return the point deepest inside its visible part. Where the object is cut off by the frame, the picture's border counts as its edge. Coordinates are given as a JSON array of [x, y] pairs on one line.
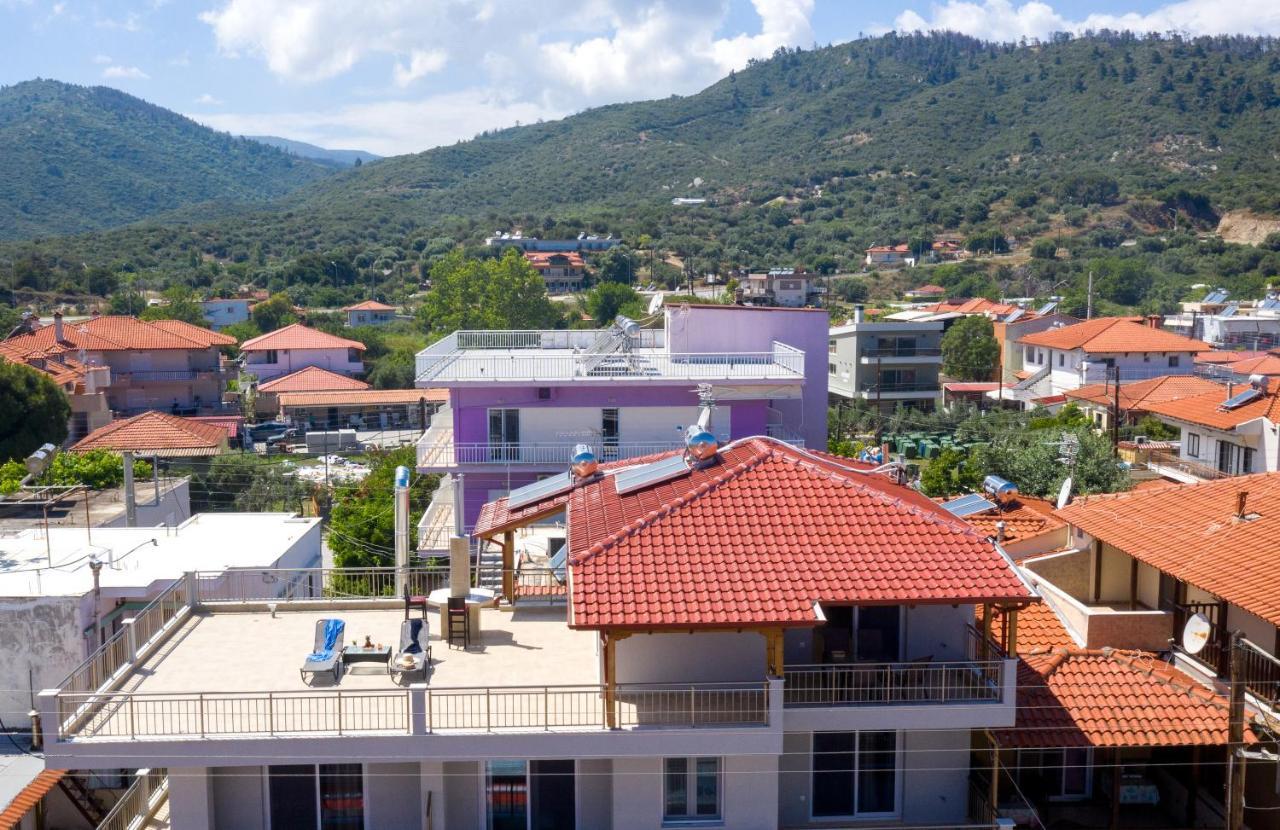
[[757, 561], [562, 271], [369, 313], [165, 365], [296, 346], [1099, 400], [1232, 429], [266, 401], [926, 292]]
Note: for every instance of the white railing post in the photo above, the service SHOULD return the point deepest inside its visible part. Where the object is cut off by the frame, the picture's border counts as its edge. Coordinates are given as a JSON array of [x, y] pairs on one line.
[[775, 687], [1008, 680], [419, 722], [50, 717], [193, 601], [131, 640], [143, 781]]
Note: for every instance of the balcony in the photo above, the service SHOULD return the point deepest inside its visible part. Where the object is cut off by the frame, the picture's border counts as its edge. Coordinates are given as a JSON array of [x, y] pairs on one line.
[[871, 390], [162, 375], [564, 356], [1171, 465], [900, 355]]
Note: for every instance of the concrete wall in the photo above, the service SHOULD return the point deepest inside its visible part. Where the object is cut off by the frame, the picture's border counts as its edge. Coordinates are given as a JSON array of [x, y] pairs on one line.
[[749, 793], [463, 784], [937, 631], [239, 798], [391, 795], [174, 506], [39, 645], [1070, 571], [595, 792], [691, 658]]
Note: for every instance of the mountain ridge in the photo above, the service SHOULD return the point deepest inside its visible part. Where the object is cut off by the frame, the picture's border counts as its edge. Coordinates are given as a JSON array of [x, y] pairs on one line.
[[314, 152]]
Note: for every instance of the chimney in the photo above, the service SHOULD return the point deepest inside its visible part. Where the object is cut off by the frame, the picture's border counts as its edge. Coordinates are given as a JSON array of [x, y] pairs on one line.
[[57, 327], [1242, 499], [1154, 320], [857, 314], [1000, 532]]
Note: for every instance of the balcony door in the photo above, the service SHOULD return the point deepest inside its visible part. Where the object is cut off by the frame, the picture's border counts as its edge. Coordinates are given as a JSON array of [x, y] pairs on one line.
[[855, 775], [530, 795], [504, 435], [609, 434], [862, 634]]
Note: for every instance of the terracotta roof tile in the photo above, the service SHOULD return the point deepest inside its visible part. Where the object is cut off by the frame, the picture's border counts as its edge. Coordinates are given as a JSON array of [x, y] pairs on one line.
[[1190, 531], [1267, 364], [311, 379], [372, 397], [156, 433], [1134, 396], [1076, 698], [1039, 628], [1113, 335], [760, 536], [370, 305], [206, 337], [111, 333], [1023, 519], [298, 336], [543, 259], [13, 813], [1207, 410]]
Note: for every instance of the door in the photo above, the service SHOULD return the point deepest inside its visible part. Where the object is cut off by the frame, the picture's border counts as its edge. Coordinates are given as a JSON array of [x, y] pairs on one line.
[[609, 434], [553, 801], [504, 435], [855, 774]]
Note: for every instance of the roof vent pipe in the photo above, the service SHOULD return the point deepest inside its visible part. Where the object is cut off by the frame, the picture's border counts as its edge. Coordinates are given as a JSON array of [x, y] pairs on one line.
[[1242, 499], [857, 313], [57, 326], [1000, 532]]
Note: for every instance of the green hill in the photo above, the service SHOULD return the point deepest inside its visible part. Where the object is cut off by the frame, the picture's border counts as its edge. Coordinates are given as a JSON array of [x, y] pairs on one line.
[[82, 158], [805, 159]]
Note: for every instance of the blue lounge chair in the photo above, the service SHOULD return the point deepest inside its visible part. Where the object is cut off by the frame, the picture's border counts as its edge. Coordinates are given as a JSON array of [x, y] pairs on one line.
[[415, 636], [327, 651]]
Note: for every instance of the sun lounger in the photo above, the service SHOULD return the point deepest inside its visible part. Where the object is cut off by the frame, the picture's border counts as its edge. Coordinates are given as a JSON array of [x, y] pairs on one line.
[[414, 653], [326, 655]]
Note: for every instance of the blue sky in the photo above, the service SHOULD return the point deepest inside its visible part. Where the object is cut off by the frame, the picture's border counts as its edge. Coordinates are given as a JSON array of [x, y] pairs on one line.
[[397, 76]]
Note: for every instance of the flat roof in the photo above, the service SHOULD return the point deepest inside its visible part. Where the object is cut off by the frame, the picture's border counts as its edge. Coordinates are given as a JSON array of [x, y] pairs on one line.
[[205, 542], [225, 651]]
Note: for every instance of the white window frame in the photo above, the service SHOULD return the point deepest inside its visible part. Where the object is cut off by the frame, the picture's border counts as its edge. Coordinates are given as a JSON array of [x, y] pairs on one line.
[[853, 777], [691, 793], [1193, 445]]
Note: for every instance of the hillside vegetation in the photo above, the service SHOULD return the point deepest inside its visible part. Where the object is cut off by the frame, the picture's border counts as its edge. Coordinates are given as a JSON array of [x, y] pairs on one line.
[[81, 158], [806, 159]]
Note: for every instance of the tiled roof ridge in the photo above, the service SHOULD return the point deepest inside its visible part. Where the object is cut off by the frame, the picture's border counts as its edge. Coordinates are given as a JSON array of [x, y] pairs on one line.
[[727, 475], [1085, 499], [1145, 663]]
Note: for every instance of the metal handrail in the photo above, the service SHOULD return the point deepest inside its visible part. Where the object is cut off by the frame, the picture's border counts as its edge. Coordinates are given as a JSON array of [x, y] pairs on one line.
[[853, 684], [915, 351], [148, 791], [516, 364]]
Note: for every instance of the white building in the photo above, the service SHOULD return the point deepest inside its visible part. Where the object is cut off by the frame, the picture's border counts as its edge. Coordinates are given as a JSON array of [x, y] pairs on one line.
[[585, 243], [733, 689], [55, 615], [886, 363], [1234, 430], [294, 347], [226, 312], [786, 287]]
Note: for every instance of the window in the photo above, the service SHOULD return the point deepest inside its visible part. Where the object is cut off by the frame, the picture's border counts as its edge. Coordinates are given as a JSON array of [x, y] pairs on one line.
[[533, 795], [306, 797], [270, 356], [690, 790], [855, 774], [504, 435], [831, 369], [353, 355], [1062, 359], [1029, 354], [831, 347], [1193, 445], [1246, 460], [1055, 774], [1173, 361]]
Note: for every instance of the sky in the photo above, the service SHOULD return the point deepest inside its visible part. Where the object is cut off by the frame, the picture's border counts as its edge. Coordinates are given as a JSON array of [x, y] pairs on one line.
[[401, 76]]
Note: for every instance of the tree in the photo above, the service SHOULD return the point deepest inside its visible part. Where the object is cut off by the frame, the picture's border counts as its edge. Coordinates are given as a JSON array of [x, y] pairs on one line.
[[393, 371], [608, 299], [1044, 249], [33, 411], [274, 312], [1033, 462], [485, 294], [181, 304], [970, 350], [850, 290], [615, 265], [950, 472], [362, 523]]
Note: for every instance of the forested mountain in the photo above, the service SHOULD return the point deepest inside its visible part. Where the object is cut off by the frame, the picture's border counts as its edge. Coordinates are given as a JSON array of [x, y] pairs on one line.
[[805, 159], [81, 158], [339, 158]]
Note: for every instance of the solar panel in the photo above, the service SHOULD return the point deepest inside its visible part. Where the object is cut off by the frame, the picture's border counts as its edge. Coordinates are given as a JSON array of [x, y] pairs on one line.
[[1047, 308], [539, 490], [1270, 304], [1015, 314], [634, 478], [1216, 296], [969, 505], [1243, 398], [1230, 310]]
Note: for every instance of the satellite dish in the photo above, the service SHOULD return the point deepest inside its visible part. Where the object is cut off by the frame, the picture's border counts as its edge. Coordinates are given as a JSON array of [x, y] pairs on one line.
[[656, 303], [1195, 634], [1064, 494]]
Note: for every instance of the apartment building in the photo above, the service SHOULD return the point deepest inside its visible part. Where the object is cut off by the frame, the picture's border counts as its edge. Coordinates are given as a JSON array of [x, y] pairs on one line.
[[369, 313], [223, 312], [294, 347], [520, 401], [166, 365], [563, 272], [1230, 430], [886, 364], [85, 386], [786, 287], [746, 635]]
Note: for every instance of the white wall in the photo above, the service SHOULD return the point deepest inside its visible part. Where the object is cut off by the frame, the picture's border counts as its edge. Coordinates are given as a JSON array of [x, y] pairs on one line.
[[191, 800], [937, 631], [935, 778], [239, 798], [39, 645], [595, 792], [174, 507], [391, 795], [705, 657], [749, 793]]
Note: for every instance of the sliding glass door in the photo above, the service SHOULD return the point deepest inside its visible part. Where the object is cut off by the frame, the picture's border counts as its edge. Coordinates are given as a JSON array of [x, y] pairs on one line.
[[530, 795], [855, 774]]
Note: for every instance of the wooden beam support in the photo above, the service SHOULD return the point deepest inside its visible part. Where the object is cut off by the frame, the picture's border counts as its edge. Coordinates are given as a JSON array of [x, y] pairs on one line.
[[1011, 642], [1097, 570], [773, 644], [1133, 584], [610, 648], [986, 632], [509, 565], [1116, 771]]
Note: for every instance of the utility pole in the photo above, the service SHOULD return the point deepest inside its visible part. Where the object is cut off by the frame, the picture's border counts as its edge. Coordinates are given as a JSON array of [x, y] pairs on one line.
[[1235, 737], [1115, 409], [1088, 314]]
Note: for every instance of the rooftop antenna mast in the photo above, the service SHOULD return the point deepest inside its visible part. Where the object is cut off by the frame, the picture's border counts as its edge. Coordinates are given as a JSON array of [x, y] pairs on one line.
[[1068, 450]]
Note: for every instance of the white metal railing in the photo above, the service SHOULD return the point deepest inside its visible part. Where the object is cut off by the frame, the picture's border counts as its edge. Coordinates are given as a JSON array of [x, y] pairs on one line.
[[420, 709], [852, 684], [150, 789], [438, 524], [446, 455], [1100, 373], [311, 584]]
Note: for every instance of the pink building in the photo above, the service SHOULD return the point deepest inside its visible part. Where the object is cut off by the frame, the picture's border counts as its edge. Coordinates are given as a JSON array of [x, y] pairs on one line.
[[295, 347]]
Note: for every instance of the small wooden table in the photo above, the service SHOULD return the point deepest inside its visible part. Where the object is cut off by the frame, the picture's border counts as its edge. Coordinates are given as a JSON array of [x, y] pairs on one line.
[[360, 654]]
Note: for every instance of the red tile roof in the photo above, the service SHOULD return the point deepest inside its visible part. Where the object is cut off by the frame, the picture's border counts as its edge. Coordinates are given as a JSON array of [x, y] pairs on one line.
[[1191, 532], [1113, 335], [298, 336], [1206, 410], [762, 535], [367, 397], [156, 433], [13, 813], [1267, 364], [1221, 356], [1039, 628], [928, 290], [311, 379], [1023, 519], [370, 305], [543, 259], [205, 337], [1135, 396], [104, 334], [1077, 698]]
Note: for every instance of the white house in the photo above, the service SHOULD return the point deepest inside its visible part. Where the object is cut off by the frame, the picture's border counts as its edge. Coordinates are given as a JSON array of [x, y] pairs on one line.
[[222, 312], [295, 347], [369, 313], [1234, 430]]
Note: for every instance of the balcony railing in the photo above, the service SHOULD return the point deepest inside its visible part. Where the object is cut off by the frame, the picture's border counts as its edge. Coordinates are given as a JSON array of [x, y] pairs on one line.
[[871, 387], [167, 374], [903, 351], [1261, 674], [1166, 462], [856, 684], [420, 709], [443, 454], [149, 790], [333, 584]]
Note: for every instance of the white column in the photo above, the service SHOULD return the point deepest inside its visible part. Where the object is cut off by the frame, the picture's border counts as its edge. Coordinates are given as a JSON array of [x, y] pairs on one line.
[[191, 798], [130, 497]]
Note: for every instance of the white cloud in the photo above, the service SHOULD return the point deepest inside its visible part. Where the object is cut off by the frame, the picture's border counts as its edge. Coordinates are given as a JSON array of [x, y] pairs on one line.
[[209, 100], [1003, 20], [421, 63], [388, 127], [101, 59], [125, 72]]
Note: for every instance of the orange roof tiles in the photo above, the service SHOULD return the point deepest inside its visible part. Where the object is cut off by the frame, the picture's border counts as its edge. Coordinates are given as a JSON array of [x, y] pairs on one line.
[[13, 813], [1224, 356], [1206, 410], [550, 259], [311, 379], [1039, 628], [112, 333], [368, 397], [298, 336], [1135, 396], [1077, 698], [762, 535], [1023, 519], [1113, 335], [1267, 364], [1191, 532], [206, 337], [156, 433], [370, 305]]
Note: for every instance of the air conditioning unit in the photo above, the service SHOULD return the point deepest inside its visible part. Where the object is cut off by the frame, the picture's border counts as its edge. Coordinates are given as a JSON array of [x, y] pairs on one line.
[[544, 393], [1140, 439]]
